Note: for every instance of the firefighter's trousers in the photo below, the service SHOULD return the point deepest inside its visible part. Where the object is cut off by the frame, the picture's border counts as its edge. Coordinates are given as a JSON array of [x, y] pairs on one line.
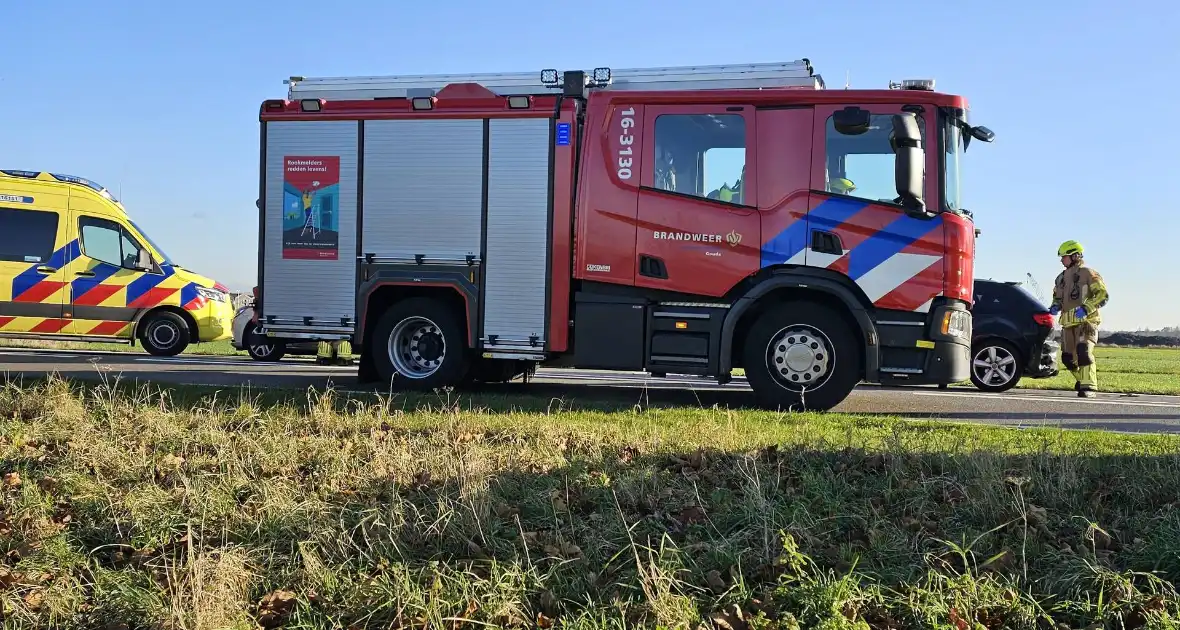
[[329, 352], [1077, 353]]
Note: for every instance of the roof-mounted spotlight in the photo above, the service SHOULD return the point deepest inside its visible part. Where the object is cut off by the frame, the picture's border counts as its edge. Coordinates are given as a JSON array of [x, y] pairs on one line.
[[421, 103], [602, 76], [549, 76]]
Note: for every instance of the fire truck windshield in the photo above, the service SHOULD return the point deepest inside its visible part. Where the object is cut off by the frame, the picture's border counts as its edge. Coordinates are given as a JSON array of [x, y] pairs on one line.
[[953, 141]]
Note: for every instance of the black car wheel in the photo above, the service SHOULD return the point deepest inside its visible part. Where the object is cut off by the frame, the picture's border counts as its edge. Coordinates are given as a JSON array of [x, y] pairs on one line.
[[995, 366]]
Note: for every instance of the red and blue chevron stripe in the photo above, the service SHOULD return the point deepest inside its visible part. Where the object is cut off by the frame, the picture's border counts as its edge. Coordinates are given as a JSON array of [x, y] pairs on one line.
[[893, 257], [32, 286]]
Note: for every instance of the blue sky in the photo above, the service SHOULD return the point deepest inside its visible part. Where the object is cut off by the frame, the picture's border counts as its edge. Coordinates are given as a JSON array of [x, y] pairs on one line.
[[159, 101]]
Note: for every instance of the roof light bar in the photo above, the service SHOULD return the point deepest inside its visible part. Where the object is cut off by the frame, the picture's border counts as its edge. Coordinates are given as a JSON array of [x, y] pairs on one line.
[[925, 85]]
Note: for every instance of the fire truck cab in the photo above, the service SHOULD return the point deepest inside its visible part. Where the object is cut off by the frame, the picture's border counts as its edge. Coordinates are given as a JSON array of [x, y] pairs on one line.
[[668, 220]]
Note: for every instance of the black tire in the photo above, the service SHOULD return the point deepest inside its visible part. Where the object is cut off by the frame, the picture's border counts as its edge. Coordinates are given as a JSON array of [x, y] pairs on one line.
[[1006, 366], [261, 348], [820, 342], [439, 367], [164, 334]]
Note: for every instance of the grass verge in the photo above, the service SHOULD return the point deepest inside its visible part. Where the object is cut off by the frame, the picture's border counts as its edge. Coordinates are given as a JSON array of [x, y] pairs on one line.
[[1125, 370], [185, 509], [212, 348]]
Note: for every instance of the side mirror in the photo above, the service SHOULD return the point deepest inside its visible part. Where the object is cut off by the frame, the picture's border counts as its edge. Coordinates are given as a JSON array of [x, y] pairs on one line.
[[851, 121], [983, 134], [144, 263], [909, 163]]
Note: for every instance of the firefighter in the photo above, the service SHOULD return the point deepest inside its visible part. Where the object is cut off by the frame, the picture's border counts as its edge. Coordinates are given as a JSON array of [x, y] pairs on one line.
[[1078, 295], [335, 352]]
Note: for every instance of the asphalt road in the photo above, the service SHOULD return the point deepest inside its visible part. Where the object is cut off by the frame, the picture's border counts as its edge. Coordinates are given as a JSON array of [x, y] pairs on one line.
[[1023, 408]]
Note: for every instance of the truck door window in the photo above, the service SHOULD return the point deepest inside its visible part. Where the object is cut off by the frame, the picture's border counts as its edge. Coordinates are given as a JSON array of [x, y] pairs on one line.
[[864, 161], [27, 236], [703, 155], [108, 242]]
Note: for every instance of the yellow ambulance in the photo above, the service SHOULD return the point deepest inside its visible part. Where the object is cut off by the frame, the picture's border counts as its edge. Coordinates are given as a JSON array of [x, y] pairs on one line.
[[75, 267]]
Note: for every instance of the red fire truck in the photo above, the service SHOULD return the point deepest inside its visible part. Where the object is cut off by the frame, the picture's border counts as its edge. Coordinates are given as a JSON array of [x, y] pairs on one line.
[[694, 220]]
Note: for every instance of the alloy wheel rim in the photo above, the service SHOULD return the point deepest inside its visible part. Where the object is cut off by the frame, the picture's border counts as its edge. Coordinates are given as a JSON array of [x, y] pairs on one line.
[[994, 366]]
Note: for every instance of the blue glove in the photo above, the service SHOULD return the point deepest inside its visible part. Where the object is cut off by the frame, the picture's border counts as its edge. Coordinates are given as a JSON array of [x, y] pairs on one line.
[[1080, 312], [1054, 310]]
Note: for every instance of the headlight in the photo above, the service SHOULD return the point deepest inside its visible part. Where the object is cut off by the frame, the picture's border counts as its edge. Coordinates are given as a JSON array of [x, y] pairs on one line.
[[956, 324], [212, 294]]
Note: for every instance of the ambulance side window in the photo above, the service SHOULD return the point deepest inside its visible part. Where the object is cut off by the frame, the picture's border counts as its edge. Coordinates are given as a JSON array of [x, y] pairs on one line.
[[703, 155], [865, 161], [27, 236], [108, 242]]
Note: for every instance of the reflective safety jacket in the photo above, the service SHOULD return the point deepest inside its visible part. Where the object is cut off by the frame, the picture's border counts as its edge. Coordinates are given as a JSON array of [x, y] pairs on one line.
[[1080, 285]]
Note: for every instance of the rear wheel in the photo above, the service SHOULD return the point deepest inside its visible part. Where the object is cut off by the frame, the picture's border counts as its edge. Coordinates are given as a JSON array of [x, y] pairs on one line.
[[801, 356], [995, 366], [164, 334], [419, 344]]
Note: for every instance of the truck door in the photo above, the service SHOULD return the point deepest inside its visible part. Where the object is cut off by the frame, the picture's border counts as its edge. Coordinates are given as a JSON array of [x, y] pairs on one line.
[[32, 267], [698, 221], [854, 225]]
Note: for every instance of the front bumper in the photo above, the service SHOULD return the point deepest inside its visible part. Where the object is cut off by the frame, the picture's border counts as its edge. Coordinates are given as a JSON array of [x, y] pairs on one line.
[[937, 352], [948, 362], [215, 322]]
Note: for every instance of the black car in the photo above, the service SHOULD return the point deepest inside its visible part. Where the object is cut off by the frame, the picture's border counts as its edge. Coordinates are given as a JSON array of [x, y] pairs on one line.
[[1013, 336]]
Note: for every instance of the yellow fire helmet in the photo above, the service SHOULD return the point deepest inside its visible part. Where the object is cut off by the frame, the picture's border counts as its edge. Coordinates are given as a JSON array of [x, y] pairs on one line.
[[841, 186], [1069, 248]]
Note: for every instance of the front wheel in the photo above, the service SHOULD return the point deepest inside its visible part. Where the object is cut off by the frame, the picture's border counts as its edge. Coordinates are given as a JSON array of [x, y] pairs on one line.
[[802, 357], [262, 348], [164, 334], [418, 344], [995, 366]]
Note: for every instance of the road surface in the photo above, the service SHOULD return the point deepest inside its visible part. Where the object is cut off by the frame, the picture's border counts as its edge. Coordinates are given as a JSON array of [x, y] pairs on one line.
[[1024, 408]]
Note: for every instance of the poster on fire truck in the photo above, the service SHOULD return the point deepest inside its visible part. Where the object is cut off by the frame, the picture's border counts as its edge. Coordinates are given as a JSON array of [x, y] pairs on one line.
[[311, 195]]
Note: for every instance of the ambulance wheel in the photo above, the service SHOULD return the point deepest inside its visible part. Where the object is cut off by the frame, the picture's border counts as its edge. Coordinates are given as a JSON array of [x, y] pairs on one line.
[[801, 356], [418, 344], [164, 334]]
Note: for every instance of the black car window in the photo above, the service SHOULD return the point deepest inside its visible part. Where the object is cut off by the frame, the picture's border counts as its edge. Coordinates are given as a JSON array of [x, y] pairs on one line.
[[27, 236], [1002, 296]]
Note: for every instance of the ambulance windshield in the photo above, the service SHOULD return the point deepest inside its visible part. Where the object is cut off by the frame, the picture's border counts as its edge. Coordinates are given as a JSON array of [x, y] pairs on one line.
[[167, 259]]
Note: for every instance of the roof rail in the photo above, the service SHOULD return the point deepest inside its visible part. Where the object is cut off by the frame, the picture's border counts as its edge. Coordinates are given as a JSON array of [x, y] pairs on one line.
[[797, 74]]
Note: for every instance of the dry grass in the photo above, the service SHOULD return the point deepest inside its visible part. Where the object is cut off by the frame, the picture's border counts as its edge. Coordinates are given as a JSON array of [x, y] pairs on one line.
[[190, 509]]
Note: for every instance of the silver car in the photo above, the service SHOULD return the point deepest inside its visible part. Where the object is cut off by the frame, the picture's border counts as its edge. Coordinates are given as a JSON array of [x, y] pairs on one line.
[[264, 348]]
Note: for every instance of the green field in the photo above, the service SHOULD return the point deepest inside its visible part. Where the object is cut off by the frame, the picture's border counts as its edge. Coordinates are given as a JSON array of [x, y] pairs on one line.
[[213, 509], [1128, 370]]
